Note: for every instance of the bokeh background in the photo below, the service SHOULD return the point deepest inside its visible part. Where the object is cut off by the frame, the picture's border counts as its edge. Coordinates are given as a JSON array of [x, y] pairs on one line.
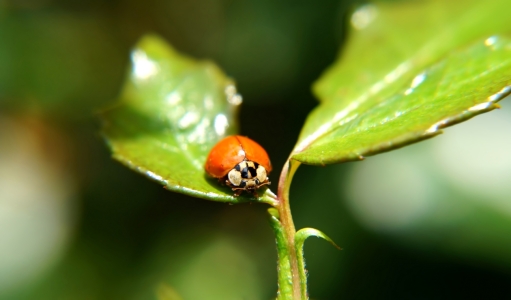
[[430, 221]]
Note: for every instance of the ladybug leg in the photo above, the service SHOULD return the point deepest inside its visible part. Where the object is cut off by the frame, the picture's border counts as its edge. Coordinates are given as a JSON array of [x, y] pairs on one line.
[[237, 191], [254, 192], [263, 184]]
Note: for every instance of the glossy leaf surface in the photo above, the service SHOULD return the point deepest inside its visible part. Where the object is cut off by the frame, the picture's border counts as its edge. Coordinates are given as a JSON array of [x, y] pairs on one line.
[[171, 112], [408, 70]]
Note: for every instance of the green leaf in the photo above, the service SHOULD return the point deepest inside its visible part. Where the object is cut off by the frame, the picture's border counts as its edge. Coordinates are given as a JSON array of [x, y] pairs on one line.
[[409, 69], [300, 238], [171, 112], [284, 262]]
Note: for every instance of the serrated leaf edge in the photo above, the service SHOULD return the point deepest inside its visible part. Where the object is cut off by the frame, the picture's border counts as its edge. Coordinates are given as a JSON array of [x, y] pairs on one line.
[[414, 137]]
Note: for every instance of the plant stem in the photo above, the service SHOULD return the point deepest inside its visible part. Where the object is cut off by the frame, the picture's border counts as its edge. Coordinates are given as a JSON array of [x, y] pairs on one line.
[[286, 220], [301, 269], [285, 291]]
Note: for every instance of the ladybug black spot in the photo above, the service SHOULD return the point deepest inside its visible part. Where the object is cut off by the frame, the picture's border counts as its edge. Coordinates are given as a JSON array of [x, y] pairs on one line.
[[253, 172], [244, 172]]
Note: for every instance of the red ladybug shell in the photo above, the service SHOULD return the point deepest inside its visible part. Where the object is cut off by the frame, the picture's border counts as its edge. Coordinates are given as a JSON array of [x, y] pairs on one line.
[[231, 151]]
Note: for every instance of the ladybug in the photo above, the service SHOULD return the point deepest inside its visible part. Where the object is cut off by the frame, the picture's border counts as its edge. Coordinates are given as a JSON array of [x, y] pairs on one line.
[[240, 163]]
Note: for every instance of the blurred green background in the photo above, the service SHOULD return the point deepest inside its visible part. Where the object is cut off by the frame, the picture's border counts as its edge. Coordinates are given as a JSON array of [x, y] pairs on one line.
[[430, 221]]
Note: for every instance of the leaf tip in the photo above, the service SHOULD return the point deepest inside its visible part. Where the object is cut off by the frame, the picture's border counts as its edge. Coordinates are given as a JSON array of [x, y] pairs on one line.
[[304, 233]]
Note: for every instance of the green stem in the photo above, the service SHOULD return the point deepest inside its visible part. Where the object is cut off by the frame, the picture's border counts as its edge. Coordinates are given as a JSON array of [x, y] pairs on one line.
[[285, 291], [303, 272], [286, 220], [291, 272]]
